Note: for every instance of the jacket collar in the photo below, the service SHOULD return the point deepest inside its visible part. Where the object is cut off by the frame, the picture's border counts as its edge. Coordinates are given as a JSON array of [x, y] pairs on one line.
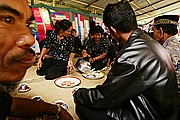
[[136, 33]]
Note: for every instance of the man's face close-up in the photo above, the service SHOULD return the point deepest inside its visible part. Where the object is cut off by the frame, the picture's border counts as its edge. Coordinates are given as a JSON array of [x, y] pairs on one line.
[[15, 40]]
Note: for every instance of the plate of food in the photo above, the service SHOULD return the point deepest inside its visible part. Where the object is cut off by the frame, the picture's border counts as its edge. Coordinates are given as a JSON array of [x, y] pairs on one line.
[[94, 75], [67, 81], [62, 103]]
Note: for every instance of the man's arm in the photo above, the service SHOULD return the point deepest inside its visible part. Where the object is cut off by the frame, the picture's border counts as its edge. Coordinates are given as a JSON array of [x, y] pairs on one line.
[[70, 66], [44, 51], [120, 85], [27, 108], [103, 55]]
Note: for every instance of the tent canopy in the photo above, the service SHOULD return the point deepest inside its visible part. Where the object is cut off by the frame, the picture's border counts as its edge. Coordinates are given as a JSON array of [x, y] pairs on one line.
[[144, 9]]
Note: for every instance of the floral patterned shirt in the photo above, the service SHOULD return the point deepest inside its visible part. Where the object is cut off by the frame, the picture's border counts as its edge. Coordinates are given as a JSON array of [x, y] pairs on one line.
[[59, 49], [95, 49], [172, 45]]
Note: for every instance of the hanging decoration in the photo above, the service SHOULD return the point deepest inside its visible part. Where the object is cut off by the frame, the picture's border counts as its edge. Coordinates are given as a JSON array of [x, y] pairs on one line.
[[46, 16]]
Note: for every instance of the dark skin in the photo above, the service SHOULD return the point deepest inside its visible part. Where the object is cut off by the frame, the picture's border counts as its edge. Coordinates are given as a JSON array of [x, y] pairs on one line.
[[16, 57]]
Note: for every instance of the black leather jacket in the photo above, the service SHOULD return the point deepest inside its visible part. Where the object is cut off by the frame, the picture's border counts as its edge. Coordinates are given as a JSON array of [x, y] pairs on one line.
[[142, 67]]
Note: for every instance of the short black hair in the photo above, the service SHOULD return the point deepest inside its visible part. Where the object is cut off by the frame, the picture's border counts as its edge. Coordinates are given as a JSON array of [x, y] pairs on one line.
[[73, 30], [167, 28], [120, 16], [97, 29], [63, 24]]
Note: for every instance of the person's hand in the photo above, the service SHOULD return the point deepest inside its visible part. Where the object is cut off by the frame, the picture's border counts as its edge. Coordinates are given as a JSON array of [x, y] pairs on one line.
[[64, 115], [91, 60], [46, 57], [70, 66], [39, 64], [85, 55]]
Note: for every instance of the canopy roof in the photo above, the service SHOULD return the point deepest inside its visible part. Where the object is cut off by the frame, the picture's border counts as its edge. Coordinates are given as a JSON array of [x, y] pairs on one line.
[[144, 9]]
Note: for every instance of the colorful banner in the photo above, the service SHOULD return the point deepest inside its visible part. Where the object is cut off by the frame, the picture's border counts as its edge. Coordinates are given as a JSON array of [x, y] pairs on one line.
[[46, 18]]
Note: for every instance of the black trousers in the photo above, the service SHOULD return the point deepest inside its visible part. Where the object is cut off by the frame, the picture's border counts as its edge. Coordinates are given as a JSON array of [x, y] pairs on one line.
[[53, 68], [85, 113]]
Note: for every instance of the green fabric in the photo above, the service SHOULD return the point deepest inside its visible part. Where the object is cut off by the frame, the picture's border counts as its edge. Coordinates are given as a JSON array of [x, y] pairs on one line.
[[64, 9]]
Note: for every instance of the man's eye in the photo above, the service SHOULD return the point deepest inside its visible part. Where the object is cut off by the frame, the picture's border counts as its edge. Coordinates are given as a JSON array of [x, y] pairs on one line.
[[9, 20]]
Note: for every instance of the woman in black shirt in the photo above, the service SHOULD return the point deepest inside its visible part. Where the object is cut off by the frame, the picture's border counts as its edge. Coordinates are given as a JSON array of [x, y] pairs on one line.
[[60, 45], [96, 49]]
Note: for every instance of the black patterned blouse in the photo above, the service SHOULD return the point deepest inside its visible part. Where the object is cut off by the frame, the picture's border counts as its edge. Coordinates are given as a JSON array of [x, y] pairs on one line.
[[59, 50], [95, 49]]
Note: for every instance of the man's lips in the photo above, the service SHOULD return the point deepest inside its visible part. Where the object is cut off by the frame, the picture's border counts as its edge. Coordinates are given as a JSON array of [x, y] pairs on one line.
[[27, 59]]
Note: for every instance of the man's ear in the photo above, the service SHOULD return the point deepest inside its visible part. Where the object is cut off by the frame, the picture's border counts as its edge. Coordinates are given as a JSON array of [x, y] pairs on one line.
[[161, 32]]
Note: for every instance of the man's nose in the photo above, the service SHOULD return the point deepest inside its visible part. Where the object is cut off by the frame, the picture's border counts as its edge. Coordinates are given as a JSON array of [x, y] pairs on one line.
[[25, 40]]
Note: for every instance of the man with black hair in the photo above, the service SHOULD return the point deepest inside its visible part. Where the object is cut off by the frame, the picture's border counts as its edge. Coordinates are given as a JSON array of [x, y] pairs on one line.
[[165, 31], [16, 57], [141, 84]]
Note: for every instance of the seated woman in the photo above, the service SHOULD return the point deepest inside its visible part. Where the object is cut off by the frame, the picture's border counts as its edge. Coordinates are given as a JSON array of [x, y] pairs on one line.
[[61, 49], [96, 49]]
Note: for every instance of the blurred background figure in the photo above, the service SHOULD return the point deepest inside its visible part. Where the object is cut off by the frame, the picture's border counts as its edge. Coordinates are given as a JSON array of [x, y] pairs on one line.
[[96, 49], [35, 47], [111, 49], [89, 37], [77, 43]]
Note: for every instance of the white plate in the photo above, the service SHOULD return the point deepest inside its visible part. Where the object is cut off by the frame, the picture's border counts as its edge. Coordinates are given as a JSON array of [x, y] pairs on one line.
[[67, 81], [62, 103], [24, 87], [25, 90], [37, 98], [94, 75]]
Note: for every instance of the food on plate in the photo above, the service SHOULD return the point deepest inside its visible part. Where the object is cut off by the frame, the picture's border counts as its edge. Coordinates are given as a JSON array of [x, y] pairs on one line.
[[94, 75], [67, 83]]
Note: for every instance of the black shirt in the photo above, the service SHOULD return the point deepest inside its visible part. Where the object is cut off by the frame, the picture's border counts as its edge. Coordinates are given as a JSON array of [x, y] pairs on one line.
[[59, 49]]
